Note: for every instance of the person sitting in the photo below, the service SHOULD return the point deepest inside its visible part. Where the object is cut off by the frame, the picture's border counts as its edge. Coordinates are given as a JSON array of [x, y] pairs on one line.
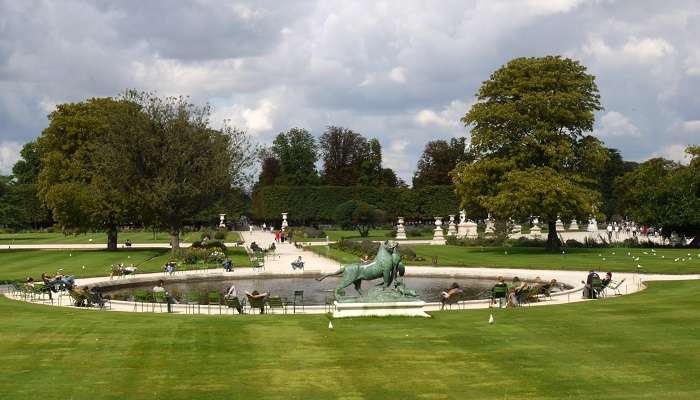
[[169, 267], [48, 284], [131, 269], [453, 290], [257, 295], [298, 264], [254, 246], [365, 259], [159, 287], [29, 284], [233, 293], [588, 291], [228, 265], [547, 287], [515, 291], [606, 281], [501, 293]]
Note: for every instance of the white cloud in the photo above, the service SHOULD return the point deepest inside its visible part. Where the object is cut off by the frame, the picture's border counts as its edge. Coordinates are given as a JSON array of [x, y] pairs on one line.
[[398, 75], [257, 119], [614, 123], [647, 49], [448, 117], [691, 126], [9, 154], [675, 152]]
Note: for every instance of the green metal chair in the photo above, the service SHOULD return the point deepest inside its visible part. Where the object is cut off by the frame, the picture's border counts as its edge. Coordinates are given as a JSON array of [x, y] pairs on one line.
[[213, 298], [298, 300], [235, 303], [191, 300], [499, 293], [330, 304], [141, 297], [159, 298], [276, 303], [256, 303], [596, 287]]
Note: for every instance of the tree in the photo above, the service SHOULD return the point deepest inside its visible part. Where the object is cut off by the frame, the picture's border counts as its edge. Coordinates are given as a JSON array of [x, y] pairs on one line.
[[28, 210], [26, 169], [174, 162], [358, 215], [343, 152], [270, 170], [297, 153], [664, 194], [69, 182], [527, 135], [439, 158]]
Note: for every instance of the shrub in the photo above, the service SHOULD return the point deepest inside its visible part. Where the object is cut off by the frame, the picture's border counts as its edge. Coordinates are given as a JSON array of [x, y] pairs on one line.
[[220, 235], [210, 244], [206, 234]]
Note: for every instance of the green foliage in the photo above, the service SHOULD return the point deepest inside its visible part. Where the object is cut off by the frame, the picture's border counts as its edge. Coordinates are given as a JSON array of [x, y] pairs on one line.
[[359, 215], [308, 232], [530, 152], [665, 195], [220, 235], [196, 255], [370, 248], [438, 159], [217, 245], [318, 203], [26, 170], [296, 153]]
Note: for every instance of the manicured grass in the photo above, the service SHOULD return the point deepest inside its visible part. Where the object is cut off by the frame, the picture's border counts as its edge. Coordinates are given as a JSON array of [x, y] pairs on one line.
[[19, 264], [99, 237], [526, 257], [638, 346]]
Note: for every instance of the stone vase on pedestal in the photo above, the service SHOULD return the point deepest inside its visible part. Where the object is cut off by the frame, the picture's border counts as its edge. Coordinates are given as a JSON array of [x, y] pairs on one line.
[[592, 225], [490, 228], [284, 221], [573, 226], [400, 230], [535, 231], [560, 225], [222, 218], [438, 236], [462, 227], [471, 232], [451, 227]]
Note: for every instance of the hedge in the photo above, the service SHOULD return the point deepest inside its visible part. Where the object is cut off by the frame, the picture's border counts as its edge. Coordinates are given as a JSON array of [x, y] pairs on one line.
[[307, 204]]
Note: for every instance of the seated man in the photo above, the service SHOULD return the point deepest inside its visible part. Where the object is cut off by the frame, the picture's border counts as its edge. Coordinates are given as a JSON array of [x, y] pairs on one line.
[[233, 293], [606, 281], [448, 294], [228, 265], [298, 264], [130, 269], [255, 296], [499, 291], [254, 246], [127, 243], [588, 291]]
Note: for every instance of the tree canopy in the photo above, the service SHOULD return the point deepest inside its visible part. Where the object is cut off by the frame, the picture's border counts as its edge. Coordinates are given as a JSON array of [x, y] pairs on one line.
[[357, 214], [296, 152], [530, 152], [439, 158]]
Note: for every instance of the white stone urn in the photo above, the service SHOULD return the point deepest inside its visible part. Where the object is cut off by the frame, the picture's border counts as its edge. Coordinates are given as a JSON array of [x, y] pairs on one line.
[[284, 221], [592, 225], [222, 218], [470, 228], [574, 225], [400, 230], [560, 225], [451, 227], [438, 236], [462, 227]]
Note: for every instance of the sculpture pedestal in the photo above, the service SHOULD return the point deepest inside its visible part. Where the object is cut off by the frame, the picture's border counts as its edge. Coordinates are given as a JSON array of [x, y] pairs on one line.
[[397, 308]]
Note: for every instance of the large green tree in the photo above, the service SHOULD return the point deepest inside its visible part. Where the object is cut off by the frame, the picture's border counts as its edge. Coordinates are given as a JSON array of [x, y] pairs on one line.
[[297, 152], [357, 214], [70, 183], [530, 152], [664, 194], [439, 158], [174, 163]]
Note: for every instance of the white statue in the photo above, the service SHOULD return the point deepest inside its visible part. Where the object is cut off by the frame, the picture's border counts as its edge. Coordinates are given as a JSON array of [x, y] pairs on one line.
[[438, 237], [400, 230], [451, 227], [222, 217]]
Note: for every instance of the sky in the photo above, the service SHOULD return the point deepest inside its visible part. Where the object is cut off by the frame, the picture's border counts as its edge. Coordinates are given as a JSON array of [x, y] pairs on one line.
[[401, 71]]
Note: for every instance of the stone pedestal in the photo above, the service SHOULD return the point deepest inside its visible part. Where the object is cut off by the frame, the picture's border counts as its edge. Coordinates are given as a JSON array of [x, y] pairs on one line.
[[536, 232], [402, 308], [471, 232], [400, 230], [592, 225], [451, 227], [573, 226], [516, 229], [222, 219], [490, 228], [560, 225], [284, 221], [438, 236]]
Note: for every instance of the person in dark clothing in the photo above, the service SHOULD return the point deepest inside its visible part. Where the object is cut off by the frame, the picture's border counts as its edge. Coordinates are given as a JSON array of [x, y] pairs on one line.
[[588, 291]]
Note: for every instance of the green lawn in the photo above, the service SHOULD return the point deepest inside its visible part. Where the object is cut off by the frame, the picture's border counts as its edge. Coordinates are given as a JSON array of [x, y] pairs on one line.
[[99, 237], [19, 264], [641, 346], [526, 257]]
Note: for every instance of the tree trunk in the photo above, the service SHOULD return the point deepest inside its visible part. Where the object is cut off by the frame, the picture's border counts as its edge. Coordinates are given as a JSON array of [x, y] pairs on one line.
[[175, 240], [112, 238], [553, 242]]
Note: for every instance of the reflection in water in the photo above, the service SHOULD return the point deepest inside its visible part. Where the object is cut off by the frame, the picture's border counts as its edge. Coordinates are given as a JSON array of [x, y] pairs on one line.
[[315, 292]]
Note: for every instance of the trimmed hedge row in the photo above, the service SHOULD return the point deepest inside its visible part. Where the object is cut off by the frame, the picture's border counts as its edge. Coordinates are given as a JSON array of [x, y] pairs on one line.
[[306, 204]]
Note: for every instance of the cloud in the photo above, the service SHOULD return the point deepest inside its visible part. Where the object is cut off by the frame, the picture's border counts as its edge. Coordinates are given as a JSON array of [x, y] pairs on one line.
[[614, 123], [675, 152], [448, 117], [647, 49], [691, 126], [9, 154], [398, 75]]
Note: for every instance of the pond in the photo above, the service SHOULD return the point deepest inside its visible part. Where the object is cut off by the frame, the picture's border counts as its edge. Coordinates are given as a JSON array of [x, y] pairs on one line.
[[315, 293]]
